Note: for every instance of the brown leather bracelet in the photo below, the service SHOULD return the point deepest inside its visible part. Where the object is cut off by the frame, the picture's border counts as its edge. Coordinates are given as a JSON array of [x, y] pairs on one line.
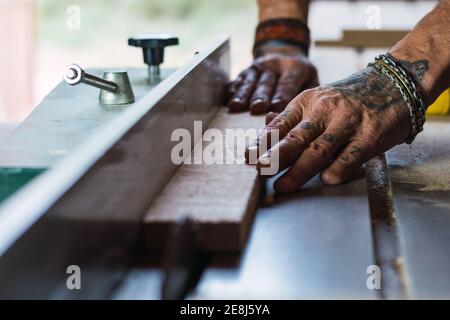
[[286, 30]]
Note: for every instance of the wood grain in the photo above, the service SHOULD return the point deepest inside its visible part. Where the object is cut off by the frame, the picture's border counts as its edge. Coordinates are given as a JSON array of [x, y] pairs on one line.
[[220, 198]]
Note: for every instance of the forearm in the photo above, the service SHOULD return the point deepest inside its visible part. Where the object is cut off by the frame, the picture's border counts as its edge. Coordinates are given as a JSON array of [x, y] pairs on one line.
[[425, 52], [272, 9]]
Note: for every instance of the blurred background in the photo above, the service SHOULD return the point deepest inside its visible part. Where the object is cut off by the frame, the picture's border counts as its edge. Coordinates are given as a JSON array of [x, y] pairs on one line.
[[41, 37]]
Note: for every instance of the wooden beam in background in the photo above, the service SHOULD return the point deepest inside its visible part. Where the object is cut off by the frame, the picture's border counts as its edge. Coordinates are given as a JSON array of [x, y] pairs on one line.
[[361, 39]]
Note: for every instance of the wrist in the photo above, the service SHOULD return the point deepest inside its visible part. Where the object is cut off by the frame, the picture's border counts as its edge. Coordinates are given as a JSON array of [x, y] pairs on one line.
[[425, 53], [427, 73], [282, 33], [403, 80], [278, 47]]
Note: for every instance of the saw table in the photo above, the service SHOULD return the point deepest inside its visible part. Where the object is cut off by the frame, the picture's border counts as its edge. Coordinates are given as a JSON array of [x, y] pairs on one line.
[[92, 184]]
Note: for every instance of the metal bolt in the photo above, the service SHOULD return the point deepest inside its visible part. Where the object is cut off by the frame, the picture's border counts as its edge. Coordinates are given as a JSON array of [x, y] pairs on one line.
[[154, 73], [115, 86], [75, 75]]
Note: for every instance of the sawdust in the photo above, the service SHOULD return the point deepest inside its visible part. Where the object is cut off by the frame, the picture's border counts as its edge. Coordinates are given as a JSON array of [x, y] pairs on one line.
[[426, 162]]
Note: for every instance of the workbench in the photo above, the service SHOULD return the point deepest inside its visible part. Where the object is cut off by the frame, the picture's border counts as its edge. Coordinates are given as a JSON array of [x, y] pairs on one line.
[[93, 180]]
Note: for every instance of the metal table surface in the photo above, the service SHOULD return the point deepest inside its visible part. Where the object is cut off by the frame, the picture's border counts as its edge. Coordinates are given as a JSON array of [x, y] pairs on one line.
[[298, 248], [421, 187]]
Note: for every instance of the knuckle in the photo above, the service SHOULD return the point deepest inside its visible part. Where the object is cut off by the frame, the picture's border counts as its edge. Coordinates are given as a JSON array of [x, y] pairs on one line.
[[294, 137], [301, 99], [289, 77], [321, 106], [267, 78], [277, 123], [350, 117], [295, 104], [308, 93], [353, 156], [300, 102], [372, 133], [348, 160], [292, 112], [270, 116], [248, 82], [261, 92], [320, 149]]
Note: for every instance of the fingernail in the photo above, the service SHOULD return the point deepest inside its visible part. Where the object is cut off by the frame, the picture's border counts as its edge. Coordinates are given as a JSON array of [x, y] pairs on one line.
[[236, 104], [264, 162], [259, 106], [276, 100]]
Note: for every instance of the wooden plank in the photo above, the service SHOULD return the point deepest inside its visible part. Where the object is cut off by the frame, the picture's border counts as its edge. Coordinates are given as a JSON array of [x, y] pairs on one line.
[[220, 198], [365, 39], [420, 176]]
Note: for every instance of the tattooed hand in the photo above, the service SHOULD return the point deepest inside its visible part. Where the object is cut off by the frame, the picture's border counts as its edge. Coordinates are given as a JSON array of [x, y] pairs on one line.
[[274, 79], [334, 129]]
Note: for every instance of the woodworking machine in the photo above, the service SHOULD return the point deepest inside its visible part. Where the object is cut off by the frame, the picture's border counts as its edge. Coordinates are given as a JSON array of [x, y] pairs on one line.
[[79, 174]]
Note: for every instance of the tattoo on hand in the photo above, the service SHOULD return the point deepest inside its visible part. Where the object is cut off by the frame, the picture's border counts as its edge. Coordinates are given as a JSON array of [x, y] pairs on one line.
[[355, 149], [370, 88], [305, 125], [328, 137], [375, 90], [285, 113], [416, 69]]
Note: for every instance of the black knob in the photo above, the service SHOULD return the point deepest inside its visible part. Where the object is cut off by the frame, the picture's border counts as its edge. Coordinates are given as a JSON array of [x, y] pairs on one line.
[[153, 48]]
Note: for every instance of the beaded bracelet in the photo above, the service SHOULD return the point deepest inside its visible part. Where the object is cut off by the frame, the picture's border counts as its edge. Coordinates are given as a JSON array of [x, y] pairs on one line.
[[408, 89]]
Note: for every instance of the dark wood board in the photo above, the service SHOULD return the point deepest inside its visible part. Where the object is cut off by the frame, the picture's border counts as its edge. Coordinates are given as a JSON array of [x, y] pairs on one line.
[[219, 198]]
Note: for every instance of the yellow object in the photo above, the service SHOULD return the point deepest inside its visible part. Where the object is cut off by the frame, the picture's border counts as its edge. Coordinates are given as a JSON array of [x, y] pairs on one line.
[[442, 104]]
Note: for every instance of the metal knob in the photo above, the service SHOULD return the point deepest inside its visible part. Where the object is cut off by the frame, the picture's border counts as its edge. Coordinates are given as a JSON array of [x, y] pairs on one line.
[[115, 86], [153, 48]]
